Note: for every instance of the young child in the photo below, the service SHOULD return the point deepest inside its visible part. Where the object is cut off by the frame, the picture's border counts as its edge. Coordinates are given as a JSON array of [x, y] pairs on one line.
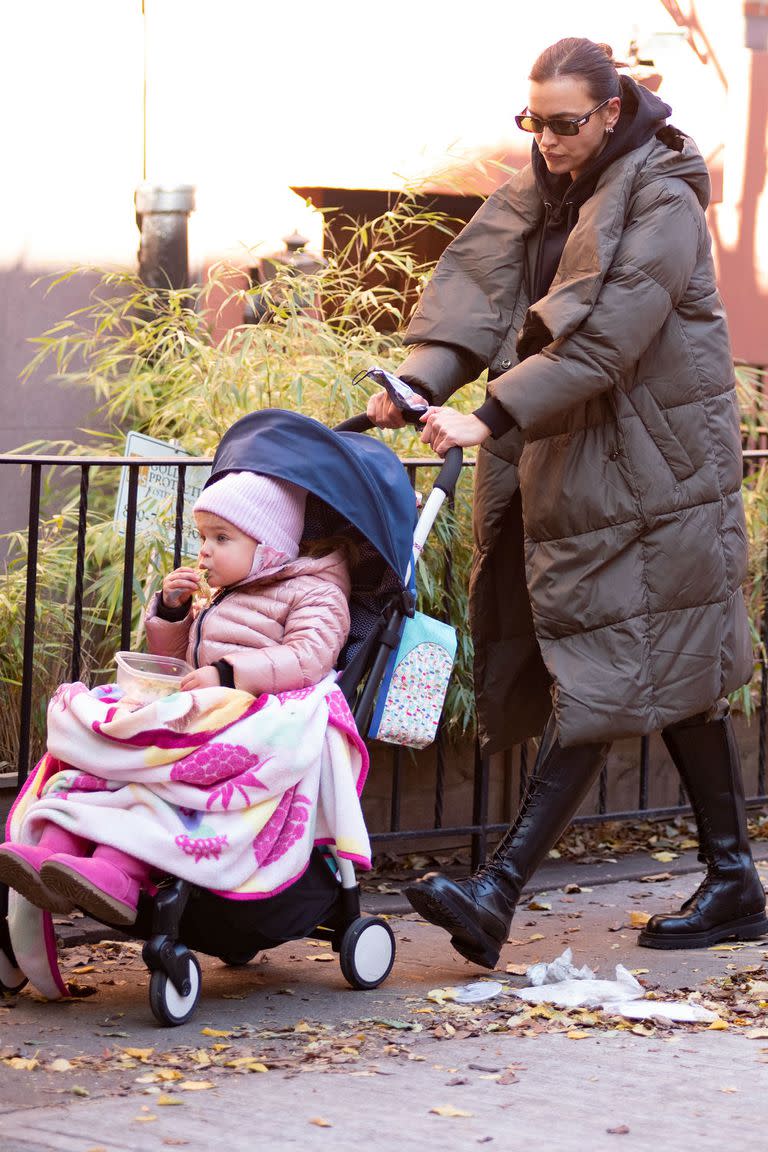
[[277, 621]]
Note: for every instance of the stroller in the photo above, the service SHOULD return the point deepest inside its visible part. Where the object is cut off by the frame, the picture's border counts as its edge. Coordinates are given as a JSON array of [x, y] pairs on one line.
[[357, 487]]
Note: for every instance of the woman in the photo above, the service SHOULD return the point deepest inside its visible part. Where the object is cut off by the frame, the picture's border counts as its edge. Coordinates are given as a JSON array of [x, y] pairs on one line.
[[610, 542]]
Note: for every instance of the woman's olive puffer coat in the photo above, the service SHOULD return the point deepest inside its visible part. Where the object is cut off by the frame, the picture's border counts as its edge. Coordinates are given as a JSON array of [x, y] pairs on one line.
[[609, 561]]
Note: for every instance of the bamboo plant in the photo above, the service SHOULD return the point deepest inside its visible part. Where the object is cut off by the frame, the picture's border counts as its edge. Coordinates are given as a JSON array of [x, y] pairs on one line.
[[162, 362]]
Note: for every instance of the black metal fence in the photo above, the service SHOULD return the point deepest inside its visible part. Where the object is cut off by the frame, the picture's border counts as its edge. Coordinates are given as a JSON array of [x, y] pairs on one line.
[[510, 769]]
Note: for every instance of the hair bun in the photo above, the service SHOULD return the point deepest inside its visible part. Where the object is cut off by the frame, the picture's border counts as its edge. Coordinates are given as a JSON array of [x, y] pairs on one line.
[[606, 48]]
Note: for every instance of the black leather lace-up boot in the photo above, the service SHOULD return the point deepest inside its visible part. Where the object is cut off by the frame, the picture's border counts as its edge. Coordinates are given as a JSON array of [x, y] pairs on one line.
[[730, 902], [477, 912]]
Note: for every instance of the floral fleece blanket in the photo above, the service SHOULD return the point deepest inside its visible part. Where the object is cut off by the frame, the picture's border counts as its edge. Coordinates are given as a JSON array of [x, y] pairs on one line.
[[215, 786]]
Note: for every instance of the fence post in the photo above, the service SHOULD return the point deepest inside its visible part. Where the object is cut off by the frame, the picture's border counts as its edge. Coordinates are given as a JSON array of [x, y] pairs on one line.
[[30, 603]]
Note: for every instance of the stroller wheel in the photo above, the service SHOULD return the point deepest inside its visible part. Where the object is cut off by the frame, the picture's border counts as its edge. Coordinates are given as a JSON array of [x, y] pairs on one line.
[[12, 979], [237, 959], [367, 952], [168, 1006]]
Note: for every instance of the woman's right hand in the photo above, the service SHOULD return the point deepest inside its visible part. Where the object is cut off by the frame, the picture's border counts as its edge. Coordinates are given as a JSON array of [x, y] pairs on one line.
[[180, 586], [383, 413]]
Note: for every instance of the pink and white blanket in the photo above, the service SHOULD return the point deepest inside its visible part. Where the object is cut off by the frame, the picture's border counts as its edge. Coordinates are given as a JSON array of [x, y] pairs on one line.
[[214, 786]]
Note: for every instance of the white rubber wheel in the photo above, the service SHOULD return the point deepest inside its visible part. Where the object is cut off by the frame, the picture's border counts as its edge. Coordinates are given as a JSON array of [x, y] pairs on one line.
[[168, 1006], [367, 952], [12, 979]]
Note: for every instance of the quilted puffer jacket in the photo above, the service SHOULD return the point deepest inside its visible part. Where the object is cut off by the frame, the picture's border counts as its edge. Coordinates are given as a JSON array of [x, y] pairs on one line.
[[609, 527], [279, 633]]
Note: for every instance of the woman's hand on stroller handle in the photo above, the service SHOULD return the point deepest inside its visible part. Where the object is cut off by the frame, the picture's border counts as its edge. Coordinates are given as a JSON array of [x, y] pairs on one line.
[[380, 410], [397, 405], [383, 413], [446, 428]]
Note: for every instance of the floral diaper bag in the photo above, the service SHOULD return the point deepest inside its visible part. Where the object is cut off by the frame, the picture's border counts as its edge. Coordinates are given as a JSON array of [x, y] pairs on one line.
[[415, 681]]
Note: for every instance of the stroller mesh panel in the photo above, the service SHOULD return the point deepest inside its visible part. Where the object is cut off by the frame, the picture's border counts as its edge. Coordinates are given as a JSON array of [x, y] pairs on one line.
[[373, 581]]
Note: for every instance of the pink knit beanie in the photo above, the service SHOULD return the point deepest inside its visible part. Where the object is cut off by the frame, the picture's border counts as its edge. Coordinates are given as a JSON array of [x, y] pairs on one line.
[[270, 511]]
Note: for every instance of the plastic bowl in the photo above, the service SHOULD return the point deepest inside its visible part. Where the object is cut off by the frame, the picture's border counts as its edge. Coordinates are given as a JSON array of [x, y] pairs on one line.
[[146, 678]]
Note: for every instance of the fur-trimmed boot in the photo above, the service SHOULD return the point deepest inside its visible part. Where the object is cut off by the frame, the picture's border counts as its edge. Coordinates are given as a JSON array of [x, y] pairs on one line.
[[106, 885], [20, 866]]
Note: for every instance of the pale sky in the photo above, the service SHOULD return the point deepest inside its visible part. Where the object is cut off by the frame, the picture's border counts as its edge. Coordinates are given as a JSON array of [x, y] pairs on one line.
[[246, 97]]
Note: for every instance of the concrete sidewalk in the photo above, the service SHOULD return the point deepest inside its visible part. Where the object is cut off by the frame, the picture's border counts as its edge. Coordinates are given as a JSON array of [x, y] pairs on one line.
[[283, 1054]]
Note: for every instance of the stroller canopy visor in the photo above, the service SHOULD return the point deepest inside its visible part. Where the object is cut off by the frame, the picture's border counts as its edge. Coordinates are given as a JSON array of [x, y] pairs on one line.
[[358, 476]]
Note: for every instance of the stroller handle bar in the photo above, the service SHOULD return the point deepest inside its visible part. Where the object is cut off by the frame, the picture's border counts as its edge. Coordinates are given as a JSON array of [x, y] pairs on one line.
[[448, 475]]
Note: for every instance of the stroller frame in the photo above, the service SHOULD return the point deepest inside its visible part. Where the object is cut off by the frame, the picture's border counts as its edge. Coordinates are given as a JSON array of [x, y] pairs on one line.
[[365, 944]]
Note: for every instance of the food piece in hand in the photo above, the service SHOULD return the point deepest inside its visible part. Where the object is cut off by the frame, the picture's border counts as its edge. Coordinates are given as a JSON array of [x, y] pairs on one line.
[[203, 587]]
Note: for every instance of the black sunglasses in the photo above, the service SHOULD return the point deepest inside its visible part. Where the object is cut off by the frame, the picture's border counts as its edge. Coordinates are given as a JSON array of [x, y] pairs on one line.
[[560, 126]]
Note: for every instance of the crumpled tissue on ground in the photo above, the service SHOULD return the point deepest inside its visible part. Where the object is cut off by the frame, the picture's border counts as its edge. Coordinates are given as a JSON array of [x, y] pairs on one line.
[[560, 983]]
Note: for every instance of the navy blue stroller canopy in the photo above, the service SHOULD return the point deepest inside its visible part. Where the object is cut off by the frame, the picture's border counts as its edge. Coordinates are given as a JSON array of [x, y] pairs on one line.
[[358, 477], [357, 487]]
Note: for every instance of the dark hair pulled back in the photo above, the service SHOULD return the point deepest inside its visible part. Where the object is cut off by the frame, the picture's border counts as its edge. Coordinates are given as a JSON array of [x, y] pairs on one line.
[[577, 56]]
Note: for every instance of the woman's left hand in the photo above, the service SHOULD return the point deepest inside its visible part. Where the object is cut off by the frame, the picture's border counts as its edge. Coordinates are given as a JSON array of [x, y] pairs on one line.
[[207, 677], [446, 428]]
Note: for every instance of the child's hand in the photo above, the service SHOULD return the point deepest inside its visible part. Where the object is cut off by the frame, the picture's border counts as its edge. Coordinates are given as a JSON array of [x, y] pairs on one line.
[[180, 586], [207, 677]]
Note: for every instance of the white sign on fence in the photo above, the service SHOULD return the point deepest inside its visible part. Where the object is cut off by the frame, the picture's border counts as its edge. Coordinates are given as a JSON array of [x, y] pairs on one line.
[[156, 496]]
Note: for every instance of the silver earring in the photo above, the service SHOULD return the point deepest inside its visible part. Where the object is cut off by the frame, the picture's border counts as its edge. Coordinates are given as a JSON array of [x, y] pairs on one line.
[[608, 130]]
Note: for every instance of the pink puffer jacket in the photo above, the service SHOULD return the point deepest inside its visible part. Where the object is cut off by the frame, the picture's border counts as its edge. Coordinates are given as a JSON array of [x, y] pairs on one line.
[[278, 633]]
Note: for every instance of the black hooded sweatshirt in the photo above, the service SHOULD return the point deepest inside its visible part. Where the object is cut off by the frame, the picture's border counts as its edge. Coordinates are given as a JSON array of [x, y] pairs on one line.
[[642, 116]]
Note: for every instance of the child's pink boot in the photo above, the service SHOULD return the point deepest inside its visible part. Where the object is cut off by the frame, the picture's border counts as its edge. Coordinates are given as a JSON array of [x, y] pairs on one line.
[[106, 885], [20, 866]]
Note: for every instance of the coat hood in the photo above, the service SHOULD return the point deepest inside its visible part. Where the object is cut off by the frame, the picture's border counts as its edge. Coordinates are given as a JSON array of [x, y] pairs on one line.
[[332, 568], [643, 114]]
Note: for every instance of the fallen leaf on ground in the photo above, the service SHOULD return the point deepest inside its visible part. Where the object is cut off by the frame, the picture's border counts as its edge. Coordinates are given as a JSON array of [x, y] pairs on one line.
[[60, 1065], [320, 1122], [449, 1110], [639, 919], [440, 995], [508, 1077]]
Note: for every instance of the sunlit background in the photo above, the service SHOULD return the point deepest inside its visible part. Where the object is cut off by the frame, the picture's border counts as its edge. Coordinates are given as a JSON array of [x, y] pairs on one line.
[[248, 99], [245, 98]]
